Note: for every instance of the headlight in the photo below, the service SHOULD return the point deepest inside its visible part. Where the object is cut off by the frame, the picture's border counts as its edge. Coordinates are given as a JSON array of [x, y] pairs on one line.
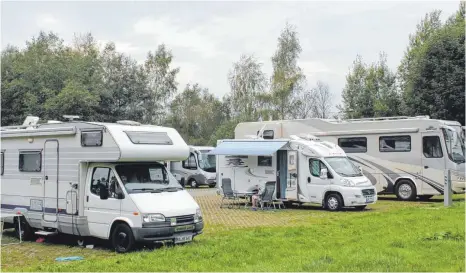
[[148, 218], [198, 216], [347, 183]]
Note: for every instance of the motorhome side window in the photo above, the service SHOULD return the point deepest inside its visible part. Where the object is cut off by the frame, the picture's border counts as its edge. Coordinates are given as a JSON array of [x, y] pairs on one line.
[[264, 161], [3, 162], [190, 163], [395, 143], [30, 161], [107, 177], [431, 147], [91, 138], [353, 144]]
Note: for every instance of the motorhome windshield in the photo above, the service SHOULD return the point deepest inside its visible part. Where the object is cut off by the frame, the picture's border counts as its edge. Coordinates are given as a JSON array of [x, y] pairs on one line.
[[455, 145], [153, 177], [343, 166], [207, 162]]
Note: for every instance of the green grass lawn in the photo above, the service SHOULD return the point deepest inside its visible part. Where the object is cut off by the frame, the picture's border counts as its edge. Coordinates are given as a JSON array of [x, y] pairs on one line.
[[390, 236]]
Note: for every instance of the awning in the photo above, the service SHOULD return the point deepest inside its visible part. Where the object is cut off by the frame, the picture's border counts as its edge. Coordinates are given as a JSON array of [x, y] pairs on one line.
[[256, 147]]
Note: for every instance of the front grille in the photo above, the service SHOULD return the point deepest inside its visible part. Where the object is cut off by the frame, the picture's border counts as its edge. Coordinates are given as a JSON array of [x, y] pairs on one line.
[[368, 192], [181, 220]]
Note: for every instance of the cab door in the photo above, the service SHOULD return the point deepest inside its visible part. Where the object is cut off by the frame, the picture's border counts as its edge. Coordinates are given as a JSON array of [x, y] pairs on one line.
[[316, 186], [101, 212]]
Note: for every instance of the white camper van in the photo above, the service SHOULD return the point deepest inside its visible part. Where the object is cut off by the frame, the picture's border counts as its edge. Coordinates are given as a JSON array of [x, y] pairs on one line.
[[198, 169], [93, 179], [407, 156], [307, 170]]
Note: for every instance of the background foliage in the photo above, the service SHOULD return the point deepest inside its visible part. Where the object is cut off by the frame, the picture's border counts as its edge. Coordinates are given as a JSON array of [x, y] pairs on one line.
[[49, 79]]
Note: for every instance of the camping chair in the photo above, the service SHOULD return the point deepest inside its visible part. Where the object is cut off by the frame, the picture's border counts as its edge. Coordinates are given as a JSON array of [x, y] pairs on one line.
[[279, 202], [228, 192], [267, 195]]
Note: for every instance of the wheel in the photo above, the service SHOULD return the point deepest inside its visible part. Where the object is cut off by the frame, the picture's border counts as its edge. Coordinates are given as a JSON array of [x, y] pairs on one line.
[[405, 191], [211, 186], [122, 238], [360, 207], [333, 202], [425, 197], [193, 183], [26, 230]]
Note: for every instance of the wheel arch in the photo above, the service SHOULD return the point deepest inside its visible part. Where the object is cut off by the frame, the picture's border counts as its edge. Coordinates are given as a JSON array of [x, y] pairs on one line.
[[328, 192], [119, 220]]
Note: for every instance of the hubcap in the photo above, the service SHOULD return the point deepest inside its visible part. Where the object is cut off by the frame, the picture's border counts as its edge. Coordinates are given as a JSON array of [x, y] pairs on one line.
[[332, 203], [405, 191], [122, 240], [193, 183]]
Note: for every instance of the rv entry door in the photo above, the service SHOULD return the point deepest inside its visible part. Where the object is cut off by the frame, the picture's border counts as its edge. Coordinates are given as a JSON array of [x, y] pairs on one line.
[[433, 162], [50, 186], [292, 176]]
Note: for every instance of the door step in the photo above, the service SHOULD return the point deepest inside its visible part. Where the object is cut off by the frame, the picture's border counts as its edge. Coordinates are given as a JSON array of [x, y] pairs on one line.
[[45, 233]]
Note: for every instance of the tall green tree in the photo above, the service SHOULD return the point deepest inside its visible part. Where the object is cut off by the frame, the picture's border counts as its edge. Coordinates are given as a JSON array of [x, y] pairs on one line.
[[161, 83], [247, 83], [286, 72], [438, 82]]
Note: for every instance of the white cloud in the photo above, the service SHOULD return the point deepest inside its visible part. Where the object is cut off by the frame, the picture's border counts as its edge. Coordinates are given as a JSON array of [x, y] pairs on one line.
[[165, 30], [123, 47], [47, 21], [188, 73]]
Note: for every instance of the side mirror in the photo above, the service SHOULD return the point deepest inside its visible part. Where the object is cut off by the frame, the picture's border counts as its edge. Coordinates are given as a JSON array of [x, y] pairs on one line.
[[360, 169], [323, 174], [120, 195], [103, 192], [308, 179]]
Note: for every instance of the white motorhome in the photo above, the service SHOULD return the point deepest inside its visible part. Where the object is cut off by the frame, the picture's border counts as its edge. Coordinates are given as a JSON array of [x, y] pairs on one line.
[[91, 179], [306, 170], [407, 156], [198, 169]]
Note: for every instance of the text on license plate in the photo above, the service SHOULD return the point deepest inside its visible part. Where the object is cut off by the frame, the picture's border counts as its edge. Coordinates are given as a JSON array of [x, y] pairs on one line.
[[369, 198], [183, 239]]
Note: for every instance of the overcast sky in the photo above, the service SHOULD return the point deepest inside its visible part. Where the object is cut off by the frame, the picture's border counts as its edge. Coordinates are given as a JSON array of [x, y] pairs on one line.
[[207, 37]]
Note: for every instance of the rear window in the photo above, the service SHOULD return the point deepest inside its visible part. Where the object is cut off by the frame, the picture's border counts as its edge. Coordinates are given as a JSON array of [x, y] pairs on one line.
[[159, 138]]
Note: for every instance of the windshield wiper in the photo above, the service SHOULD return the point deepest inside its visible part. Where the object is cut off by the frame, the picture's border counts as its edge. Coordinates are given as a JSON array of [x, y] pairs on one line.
[[172, 189]]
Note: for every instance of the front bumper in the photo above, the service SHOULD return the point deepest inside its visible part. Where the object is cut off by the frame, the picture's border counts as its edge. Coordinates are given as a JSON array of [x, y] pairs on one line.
[[160, 234], [360, 197]]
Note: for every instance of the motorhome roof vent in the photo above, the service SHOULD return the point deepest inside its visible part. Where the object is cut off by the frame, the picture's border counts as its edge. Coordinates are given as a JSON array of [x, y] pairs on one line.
[[128, 122], [31, 121], [71, 117], [53, 121]]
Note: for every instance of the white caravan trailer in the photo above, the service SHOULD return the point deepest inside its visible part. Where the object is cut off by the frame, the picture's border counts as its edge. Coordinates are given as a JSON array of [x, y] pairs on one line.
[[198, 169], [96, 179], [306, 170], [407, 156]]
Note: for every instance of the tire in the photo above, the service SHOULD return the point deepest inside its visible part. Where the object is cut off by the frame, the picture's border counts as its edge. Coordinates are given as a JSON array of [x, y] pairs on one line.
[[360, 207], [211, 186], [333, 202], [405, 191], [193, 183], [122, 238], [425, 197], [26, 230]]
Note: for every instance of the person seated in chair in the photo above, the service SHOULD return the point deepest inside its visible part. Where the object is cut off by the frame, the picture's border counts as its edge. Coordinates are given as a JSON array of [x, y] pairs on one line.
[[257, 192]]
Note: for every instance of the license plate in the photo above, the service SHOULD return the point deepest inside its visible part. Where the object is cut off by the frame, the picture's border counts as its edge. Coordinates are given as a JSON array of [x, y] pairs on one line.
[[369, 198], [183, 239]]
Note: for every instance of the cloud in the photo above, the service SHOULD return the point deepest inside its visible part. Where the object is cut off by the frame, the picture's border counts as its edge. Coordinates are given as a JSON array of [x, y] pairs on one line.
[[188, 73], [165, 30], [123, 47], [46, 21]]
